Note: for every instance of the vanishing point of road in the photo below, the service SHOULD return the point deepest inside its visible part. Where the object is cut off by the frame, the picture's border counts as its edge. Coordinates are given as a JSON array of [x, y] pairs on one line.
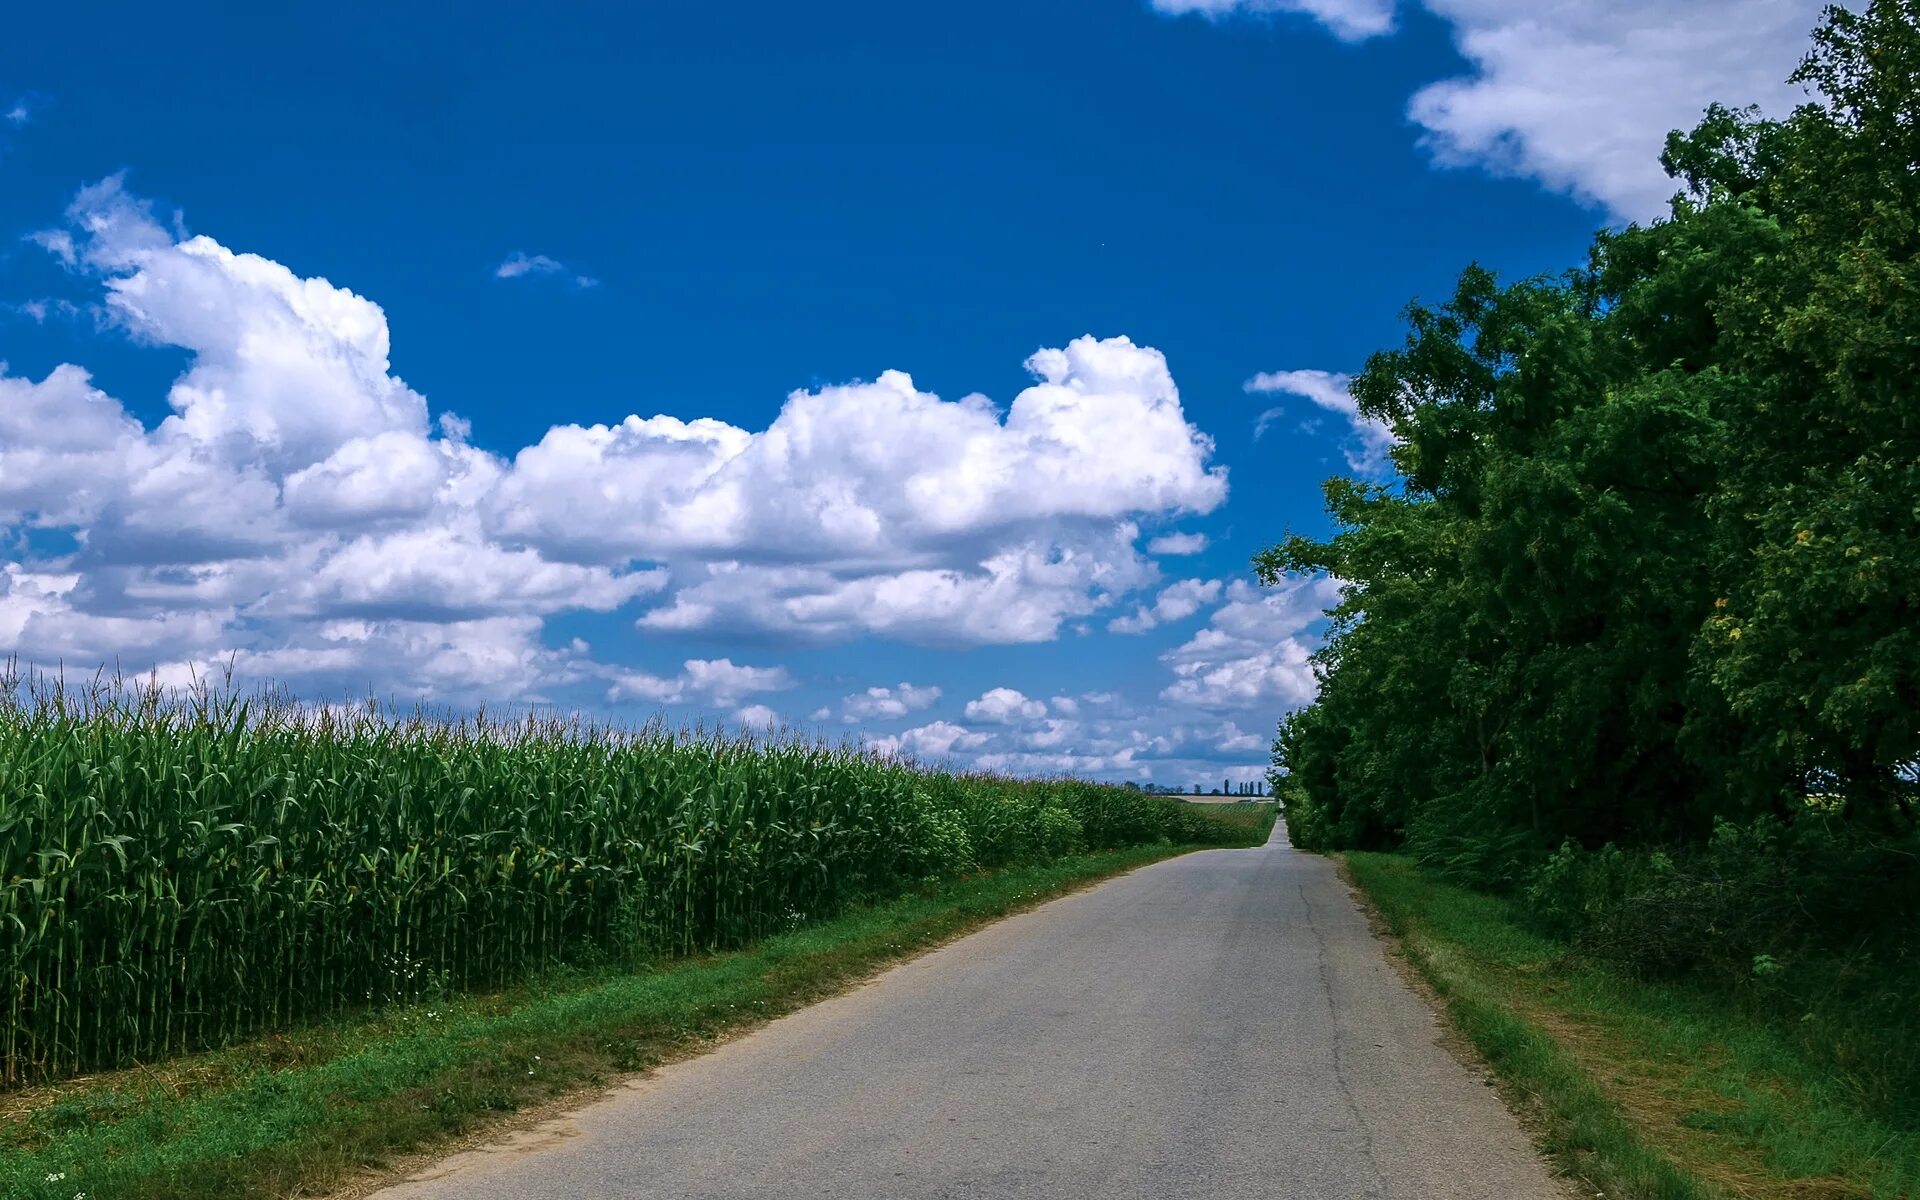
[[1219, 1025]]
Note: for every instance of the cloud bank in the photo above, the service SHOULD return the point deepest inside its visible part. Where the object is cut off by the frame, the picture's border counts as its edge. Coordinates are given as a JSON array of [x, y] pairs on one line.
[[302, 512]]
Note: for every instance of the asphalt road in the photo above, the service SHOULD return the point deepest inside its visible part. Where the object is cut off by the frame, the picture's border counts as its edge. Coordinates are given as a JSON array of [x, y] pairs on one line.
[[1217, 1025]]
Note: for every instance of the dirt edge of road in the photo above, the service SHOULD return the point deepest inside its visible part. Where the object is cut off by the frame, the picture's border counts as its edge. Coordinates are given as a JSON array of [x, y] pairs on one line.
[[1524, 1105]]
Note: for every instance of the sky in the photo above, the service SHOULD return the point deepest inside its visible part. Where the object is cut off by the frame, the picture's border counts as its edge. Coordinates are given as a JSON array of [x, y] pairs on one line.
[[920, 374]]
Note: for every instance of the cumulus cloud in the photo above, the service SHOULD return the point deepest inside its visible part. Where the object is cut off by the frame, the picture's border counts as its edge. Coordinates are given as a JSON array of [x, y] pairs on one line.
[[1161, 745], [1178, 544], [1231, 739], [1021, 592], [879, 508], [1004, 706], [876, 473], [717, 682], [1370, 440], [935, 742], [294, 513], [1580, 96], [1177, 742], [757, 716], [884, 703], [1349, 20], [63, 441], [1175, 603], [303, 512], [1255, 651], [519, 265]]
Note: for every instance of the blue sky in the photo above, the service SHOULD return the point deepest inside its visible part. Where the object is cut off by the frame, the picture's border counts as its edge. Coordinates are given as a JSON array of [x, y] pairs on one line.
[[321, 328]]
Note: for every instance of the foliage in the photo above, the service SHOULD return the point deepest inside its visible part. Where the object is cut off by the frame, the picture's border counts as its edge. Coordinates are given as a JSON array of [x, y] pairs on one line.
[[180, 872], [1813, 925], [301, 1113], [1659, 1088], [1634, 635], [1651, 564]]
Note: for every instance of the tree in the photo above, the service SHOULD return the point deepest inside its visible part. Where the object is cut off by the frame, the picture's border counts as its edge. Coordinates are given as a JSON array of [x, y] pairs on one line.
[[1653, 559]]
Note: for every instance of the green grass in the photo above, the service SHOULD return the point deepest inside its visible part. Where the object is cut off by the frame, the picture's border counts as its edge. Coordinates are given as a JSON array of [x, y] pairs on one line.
[[300, 1113], [1254, 818], [1642, 1090]]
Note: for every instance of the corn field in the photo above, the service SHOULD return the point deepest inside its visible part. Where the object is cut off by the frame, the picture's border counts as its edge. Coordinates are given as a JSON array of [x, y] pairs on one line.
[[178, 872]]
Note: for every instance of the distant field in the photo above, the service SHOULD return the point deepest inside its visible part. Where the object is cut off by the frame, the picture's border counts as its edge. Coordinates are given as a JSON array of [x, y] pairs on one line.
[[188, 873], [1254, 816]]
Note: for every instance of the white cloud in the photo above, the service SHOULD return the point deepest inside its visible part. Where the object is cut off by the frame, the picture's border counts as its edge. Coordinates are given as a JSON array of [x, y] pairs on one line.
[[1004, 706], [1254, 653], [878, 508], [1581, 96], [1021, 593], [301, 510], [1164, 745], [1234, 740], [293, 514], [1370, 440], [1185, 598], [1178, 544], [1169, 743], [883, 703], [1577, 94], [19, 113], [1350, 20], [935, 742], [717, 682], [1138, 621], [757, 717], [452, 573], [876, 473], [57, 242], [62, 442], [285, 370], [1175, 603], [519, 265], [1050, 734]]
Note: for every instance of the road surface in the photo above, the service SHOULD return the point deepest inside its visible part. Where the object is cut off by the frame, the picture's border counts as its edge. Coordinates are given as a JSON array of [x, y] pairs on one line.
[[1219, 1025]]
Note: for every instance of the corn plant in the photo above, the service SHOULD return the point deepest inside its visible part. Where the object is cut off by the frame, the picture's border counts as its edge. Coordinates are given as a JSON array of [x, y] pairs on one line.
[[179, 871]]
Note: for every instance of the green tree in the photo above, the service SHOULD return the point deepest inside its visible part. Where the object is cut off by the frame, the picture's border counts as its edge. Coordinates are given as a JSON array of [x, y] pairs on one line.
[[1652, 559]]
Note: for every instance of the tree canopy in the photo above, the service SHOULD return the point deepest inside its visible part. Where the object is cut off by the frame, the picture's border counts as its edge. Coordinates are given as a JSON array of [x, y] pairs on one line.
[[1651, 558]]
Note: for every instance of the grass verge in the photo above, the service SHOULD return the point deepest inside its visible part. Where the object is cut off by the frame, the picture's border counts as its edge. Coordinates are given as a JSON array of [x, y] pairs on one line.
[[1645, 1091], [299, 1114]]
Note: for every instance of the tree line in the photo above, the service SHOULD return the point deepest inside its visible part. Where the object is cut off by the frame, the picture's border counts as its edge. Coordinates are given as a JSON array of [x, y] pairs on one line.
[[1633, 634], [1649, 568]]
